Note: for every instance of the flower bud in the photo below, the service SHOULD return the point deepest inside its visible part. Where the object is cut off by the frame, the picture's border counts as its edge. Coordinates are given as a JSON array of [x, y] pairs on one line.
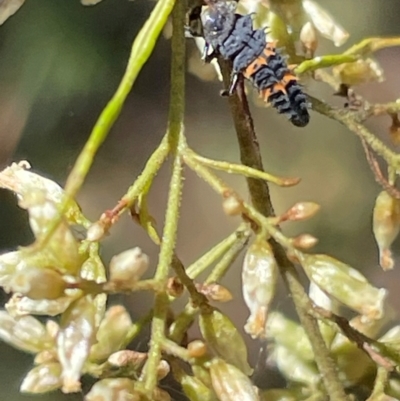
[[113, 390], [74, 339], [345, 284], [230, 384], [128, 266], [304, 241], [112, 332], [232, 205], [223, 338], [175, 287], [259, 277], [126, 357], [301, 211], [42, 379], [386, 226], [215, 292], [96, 232], [325, 23], [163, 369], [37, 283], [308, 39], [197, 349]]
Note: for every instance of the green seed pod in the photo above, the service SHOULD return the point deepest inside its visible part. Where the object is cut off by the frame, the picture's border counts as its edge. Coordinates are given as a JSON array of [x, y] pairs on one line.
[[230, 384], [289, 334], [294, 368], [353, 363], [224, 340], [195, 389], [345, 284]]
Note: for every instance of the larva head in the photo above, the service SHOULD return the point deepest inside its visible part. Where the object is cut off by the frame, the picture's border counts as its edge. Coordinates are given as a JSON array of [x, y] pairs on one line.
[[218, 20]]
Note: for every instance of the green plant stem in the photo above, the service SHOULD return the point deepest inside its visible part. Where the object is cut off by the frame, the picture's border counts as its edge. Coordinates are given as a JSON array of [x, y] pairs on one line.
[[381, 380], [176, 140], [324, 62], [228, 258], [215, 253], [142, 48], [371, 45], [260, 196], [233, 168]]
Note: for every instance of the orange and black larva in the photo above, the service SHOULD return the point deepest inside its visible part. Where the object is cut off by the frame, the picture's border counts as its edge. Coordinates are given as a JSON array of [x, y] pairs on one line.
[[233, 37]]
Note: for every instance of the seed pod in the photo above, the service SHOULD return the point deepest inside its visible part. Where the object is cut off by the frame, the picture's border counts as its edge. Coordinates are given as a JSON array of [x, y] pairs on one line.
[[259, 277], [386, 226], [230, 384], [37, 283], [113, 390], [42, 379], [20, 306], [112, 332], [289, 334], [345, 284], [128, 266], [223, 338], [25, 333], [280, 394], [74, 339], [195, 389], [294, 368]]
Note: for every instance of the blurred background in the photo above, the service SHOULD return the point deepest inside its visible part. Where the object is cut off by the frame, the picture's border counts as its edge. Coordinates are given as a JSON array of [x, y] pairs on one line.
[[60, 63]]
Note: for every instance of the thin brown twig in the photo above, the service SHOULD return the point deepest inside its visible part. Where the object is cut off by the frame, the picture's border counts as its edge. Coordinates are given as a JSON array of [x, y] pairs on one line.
[[379, 177], [365, 343], [260, 196]]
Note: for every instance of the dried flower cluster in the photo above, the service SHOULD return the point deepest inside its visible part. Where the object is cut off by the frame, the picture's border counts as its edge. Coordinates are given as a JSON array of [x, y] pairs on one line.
[[61, 276]]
